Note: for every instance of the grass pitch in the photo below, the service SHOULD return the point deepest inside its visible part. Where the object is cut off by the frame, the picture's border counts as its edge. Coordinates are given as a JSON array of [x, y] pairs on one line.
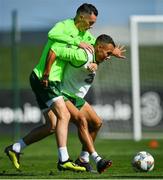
[[39, 160]]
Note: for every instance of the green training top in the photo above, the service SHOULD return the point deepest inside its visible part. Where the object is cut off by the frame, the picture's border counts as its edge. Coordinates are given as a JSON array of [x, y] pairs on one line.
[[63, 34], [66, 31]]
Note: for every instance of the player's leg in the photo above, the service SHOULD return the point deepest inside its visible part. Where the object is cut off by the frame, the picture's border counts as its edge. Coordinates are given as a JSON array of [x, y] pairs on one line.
[[82, 126], [74, 103], [61, 131], [80, 121], [42, 131], [13, 151], [94, 123], [63, 116], [51, 97]]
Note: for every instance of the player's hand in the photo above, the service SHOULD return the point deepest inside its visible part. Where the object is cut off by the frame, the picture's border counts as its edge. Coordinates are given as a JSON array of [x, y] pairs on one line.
[[119, 52], [89, 47], [45, 80], [92, 67]]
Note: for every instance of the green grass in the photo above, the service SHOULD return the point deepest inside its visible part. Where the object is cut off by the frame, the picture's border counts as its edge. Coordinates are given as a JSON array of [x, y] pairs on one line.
[[40, 160]]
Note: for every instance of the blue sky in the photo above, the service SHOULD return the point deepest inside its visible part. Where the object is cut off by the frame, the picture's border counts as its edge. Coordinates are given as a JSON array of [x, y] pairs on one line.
[[40, 14]]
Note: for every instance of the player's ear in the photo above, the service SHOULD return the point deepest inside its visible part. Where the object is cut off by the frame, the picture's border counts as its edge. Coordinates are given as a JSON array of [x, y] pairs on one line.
[[99, 46], [81, 16]]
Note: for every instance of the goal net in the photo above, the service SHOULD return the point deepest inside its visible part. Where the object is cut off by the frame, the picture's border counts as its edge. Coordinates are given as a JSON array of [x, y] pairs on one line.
[[147, 79]]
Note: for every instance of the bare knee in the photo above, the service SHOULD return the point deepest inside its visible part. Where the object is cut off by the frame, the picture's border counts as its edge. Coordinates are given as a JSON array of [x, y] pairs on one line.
[[82, 122], [64, 116], [98, 123], [60, 110]]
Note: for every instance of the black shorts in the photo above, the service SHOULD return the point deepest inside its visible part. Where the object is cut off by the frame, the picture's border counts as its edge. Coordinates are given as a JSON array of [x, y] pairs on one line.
[[45, 96]]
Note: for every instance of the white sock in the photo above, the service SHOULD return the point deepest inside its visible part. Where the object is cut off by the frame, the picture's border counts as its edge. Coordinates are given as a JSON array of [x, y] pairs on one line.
[[96, 157], [18, 146], [63, 154], [84, 155]]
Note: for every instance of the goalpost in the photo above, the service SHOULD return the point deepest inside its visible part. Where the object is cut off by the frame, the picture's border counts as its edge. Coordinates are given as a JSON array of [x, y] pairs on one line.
[[136, 95]]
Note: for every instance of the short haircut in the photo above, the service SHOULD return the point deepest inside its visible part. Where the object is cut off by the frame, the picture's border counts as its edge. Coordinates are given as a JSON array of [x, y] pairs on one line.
[[88, 9], [103, 38]]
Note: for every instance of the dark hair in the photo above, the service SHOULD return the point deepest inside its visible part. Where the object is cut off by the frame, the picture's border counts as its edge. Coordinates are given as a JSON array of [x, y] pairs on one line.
[[103, 38], [87, 8]]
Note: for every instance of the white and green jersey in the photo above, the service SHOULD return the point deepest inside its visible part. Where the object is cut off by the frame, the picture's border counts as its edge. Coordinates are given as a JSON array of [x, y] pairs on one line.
[[64, 55], [78, 79]]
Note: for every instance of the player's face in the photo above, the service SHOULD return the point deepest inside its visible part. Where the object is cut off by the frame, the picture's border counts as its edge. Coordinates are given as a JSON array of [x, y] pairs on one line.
[[86, 22], [103, 52]]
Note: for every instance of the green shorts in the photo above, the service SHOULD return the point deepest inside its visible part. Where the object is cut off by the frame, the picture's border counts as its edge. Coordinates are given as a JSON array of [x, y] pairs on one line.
[[76, 100], [45, 96]]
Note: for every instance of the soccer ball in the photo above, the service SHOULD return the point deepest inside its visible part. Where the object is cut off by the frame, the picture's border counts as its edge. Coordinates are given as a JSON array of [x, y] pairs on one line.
[[143, 161]]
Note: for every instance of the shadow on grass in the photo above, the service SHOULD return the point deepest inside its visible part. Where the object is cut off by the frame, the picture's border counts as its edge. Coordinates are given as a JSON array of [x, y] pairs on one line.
[[133, 177], [20, 174]]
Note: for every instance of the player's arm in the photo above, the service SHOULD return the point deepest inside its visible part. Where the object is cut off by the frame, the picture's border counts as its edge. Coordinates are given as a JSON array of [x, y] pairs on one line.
[[76, 57], [49, 61], [89, 43]]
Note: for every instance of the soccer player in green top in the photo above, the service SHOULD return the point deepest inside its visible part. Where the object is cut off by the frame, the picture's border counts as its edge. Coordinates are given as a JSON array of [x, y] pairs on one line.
[[69, 32], [74, 32]]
